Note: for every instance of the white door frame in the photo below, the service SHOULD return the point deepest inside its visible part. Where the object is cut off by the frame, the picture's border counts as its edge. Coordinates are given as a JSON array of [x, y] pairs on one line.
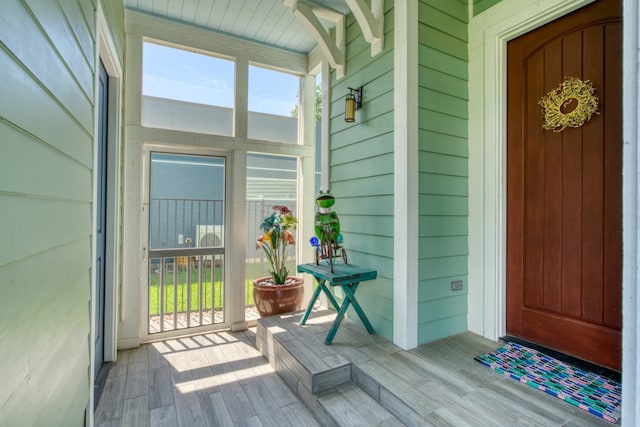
[[489, 33], [229, 290], [108, 54], [630, 208]]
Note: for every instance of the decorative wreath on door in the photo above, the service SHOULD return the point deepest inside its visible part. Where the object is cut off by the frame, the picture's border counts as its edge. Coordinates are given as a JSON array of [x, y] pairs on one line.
[[571, 104]]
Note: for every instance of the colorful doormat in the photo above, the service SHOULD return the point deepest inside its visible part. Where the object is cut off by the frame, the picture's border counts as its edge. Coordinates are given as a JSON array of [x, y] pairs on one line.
[[592, 392]]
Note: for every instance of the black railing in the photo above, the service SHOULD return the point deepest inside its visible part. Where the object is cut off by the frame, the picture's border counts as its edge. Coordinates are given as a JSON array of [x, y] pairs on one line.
[[186, 260]]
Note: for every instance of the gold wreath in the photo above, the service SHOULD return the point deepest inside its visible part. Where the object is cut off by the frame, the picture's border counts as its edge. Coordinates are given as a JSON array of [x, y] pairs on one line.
[[569, 90]]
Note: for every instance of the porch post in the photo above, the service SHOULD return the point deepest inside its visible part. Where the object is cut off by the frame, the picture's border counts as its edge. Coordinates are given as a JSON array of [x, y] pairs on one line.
[[237, 217], [306, 170], [405, 141]]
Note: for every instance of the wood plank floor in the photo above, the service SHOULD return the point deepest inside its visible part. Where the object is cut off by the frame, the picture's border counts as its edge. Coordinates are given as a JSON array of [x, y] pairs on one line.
[[217, 379], [221, 379]]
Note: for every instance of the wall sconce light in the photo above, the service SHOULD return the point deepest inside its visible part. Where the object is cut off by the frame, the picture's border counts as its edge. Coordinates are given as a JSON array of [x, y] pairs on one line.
[[353, 102]]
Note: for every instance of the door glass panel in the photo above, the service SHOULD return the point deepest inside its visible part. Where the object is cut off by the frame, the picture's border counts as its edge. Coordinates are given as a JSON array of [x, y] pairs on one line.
[[186, 241], [271, 180]]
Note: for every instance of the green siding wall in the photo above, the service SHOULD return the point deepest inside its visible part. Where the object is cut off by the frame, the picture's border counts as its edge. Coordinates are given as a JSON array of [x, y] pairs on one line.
[[443, 168], [47, 52], [480, 6], [362, 168]]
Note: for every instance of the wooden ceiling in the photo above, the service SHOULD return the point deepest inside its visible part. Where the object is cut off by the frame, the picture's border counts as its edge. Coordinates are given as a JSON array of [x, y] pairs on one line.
[[268, 22]]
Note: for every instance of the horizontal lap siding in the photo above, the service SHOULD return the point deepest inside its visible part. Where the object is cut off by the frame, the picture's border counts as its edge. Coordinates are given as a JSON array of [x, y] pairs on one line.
[[480, 6], [47, 51], [443, 167], [362, 169]]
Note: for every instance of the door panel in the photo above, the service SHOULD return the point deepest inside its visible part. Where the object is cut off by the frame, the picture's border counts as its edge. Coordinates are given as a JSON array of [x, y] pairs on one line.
[[186, 223], [101, 217], [564, 190]]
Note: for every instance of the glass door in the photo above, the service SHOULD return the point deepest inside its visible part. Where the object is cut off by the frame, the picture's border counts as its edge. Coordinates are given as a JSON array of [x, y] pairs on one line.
[[186, 224]]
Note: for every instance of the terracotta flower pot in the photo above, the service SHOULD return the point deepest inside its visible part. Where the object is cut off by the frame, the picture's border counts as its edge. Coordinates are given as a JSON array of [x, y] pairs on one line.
[[273, 299]]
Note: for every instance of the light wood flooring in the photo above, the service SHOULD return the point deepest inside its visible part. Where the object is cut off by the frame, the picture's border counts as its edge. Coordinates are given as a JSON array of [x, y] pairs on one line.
[[222, 379], [436, 384], [216, 379]]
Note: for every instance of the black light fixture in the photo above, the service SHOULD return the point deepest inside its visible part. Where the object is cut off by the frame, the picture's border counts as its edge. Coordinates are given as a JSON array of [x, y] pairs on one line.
[[353, 102]]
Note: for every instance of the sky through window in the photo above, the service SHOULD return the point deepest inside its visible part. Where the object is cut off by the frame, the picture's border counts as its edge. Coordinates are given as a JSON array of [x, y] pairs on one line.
[[183, 75]]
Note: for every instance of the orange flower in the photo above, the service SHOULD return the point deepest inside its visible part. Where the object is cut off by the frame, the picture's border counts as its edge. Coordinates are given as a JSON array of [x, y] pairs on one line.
[[288, 237]]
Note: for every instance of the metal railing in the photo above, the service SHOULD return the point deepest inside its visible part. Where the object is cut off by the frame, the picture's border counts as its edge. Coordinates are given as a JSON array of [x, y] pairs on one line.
[[186, 260], [185, 291], [180, 223]]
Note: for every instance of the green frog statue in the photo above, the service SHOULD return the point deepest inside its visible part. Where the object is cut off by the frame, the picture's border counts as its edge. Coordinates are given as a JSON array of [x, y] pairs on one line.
[[328, 239]]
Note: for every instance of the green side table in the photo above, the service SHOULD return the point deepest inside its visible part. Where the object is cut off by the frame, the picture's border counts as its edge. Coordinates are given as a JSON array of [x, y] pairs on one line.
[[348, 277]]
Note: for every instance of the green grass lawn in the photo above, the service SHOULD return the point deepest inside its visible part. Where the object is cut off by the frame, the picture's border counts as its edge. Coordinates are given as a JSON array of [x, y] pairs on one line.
[[178, 297]]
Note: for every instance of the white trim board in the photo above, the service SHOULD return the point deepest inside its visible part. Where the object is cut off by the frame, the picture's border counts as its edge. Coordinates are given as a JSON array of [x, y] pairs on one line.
[[405, 147], [107, 53], [489, 33], [630, 207]]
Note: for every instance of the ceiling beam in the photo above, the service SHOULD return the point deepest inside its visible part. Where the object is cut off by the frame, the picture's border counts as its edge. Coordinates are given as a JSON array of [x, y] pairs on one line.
[[371, 21], [310, 14]]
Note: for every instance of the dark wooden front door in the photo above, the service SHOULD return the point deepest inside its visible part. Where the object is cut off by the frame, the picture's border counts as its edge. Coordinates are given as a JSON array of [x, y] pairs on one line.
[[564, 189]]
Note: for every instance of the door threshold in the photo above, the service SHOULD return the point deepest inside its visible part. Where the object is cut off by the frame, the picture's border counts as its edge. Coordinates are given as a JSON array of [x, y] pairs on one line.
[[565, 358]]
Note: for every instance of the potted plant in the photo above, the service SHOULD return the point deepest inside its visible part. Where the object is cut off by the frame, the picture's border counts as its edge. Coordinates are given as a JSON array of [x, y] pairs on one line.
[[279, 292]]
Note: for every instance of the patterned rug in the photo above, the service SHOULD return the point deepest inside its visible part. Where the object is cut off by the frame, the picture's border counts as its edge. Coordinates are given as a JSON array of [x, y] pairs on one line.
[[594, 393]]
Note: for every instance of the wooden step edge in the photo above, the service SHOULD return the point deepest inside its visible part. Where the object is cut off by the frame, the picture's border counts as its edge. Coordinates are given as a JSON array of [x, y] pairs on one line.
[[386, 398], [349, 405], [289, 367]]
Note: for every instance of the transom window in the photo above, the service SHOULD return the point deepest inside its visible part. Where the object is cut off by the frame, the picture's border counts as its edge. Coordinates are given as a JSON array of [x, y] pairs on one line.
[[196, 92], [189, 91], [273, 105]]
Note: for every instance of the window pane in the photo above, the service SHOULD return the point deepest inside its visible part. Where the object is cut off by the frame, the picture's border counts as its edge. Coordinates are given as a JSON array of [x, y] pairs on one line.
[[271, 180], [186, 201], [188, 91], [273, 105]]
